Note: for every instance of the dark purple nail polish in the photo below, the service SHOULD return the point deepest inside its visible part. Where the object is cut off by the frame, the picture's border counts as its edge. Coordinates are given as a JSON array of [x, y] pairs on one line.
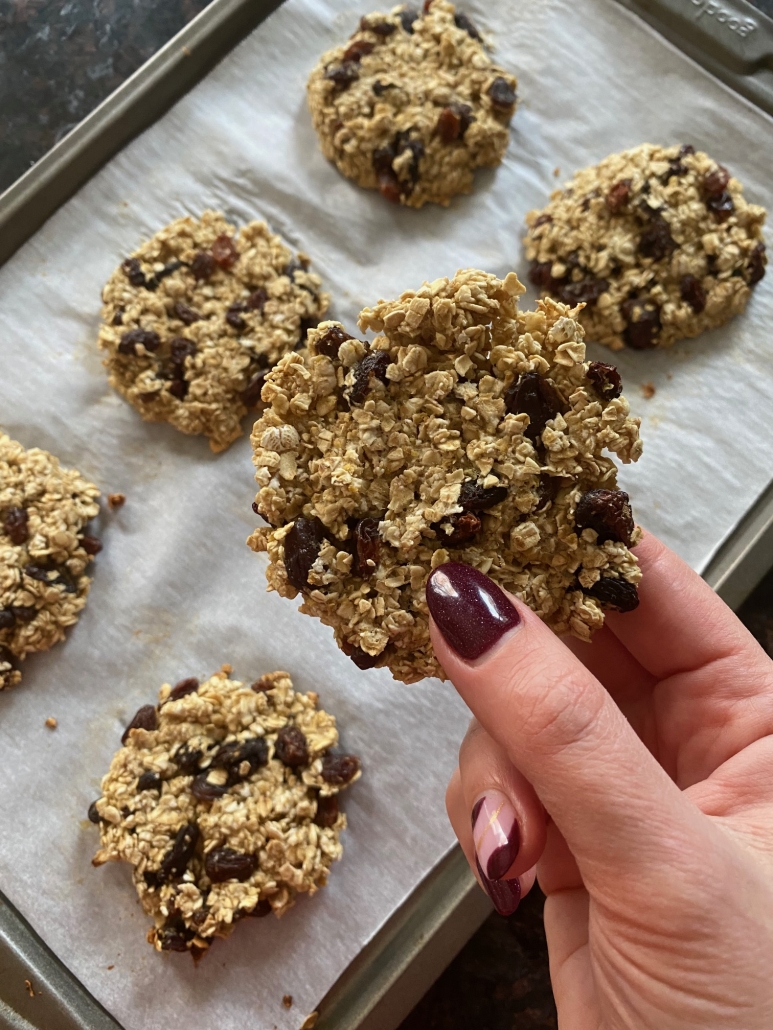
[[470, 610], [506, 894], [495, 833], [476, 811]]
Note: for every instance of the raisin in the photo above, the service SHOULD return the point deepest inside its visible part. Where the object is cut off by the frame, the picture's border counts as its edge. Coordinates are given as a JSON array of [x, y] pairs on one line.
[[15, 525], [475, 497], [339, 769], [187, 760], [715, 182], [721, 206], [7, 618], [656, 241], [23, 613], [535, 396], [250, 395], [181, 348], [465, 525], [361, 658], [608, 512], [93, 814], [381, 28], [358, 49], [184, 687], [407, 18], [463, 22], [133, 271], [149, 781], [375, 363], [257, 300], [203, 265], [548, 490], [388, 183], [186, 315], [454, 121], [542, 220], [301, 547], [39, 572], [327, 812], [205, 791], [691, 289], [615, 593], [343, 75], [685, 149], [330, 343], [263, 908], [756, 267], [172, 940], [585, 291], [291, 748], [367, 544], [226, 864], [91, 545], [224, 251], [179, 389], [502, 94], [541, 276], [233, 316], [606, 379], [643, 318], [146, 338], [118, 317], [144, 719], [618, 196], [380, 88], [231, 756], [179, 855], [154, 281]]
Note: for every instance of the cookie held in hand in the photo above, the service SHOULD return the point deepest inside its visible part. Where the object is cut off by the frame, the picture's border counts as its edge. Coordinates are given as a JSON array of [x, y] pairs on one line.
[[468, 431]]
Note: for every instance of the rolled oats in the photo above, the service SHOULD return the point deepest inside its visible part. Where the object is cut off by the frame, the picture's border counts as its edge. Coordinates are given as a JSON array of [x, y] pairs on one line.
[[659, 243], [43, 552], [467, 430], [215, 826], [412, 104], [194, 318]]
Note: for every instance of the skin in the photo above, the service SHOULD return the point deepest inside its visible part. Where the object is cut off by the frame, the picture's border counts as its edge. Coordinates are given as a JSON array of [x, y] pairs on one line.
[[641, 770]]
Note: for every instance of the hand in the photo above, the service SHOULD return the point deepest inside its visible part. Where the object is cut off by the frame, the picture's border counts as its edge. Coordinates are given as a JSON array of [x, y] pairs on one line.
[[636, 774]]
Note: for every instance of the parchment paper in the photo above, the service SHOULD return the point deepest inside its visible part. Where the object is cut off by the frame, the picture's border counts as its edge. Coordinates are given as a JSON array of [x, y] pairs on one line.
[[176, 591]]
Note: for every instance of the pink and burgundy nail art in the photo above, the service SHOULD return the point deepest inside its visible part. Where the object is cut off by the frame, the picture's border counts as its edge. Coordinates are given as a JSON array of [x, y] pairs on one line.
[[497, 840]]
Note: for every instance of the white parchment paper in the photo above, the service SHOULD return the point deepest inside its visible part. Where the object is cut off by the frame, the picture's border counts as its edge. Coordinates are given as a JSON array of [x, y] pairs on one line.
[[176, 591]]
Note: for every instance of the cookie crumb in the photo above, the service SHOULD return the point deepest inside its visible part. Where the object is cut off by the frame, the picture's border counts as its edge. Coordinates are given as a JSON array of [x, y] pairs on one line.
[[226, 669], [287, 1001], [116, 501], [51, 722], [111, 967], [30, 988], [556, 172], [648, 390], [310, 1021]]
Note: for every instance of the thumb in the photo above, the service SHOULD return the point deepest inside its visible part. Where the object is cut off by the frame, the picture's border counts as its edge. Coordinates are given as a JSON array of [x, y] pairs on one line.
[[615, 806]]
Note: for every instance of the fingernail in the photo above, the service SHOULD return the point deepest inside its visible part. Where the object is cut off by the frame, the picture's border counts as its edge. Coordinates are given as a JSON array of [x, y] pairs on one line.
[[506, 894], [470, 610], [495, 834]]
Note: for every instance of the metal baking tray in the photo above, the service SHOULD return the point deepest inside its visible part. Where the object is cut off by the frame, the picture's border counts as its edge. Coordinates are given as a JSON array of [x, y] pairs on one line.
[[733, 40]]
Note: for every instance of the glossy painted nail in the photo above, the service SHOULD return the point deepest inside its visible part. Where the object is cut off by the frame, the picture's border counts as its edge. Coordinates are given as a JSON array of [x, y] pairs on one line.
[[469, 609], [506, 894], [495, 834]]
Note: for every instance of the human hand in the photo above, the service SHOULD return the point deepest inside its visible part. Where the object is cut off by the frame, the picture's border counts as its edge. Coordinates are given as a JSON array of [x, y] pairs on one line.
[[636, 774]]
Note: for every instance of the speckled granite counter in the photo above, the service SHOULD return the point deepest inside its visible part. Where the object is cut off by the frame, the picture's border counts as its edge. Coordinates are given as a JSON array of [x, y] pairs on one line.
[[58, 60]]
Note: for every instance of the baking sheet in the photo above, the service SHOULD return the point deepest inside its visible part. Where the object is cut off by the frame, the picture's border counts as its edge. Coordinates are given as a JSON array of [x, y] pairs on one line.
[[177, 592]]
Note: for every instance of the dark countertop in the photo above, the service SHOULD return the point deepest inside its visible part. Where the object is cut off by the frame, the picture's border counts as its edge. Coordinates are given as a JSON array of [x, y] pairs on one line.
[[58, 60]]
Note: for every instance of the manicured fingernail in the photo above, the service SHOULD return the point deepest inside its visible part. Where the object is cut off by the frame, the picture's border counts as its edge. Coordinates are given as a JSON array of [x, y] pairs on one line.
[[469, 609], [495, 834], [506, 894]]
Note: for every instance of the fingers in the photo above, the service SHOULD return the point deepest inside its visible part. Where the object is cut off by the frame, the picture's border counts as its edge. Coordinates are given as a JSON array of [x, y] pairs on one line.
[[557, 724], [680, 623]]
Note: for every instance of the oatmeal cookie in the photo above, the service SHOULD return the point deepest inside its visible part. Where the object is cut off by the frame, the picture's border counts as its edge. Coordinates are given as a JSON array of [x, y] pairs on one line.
[[412, 104], [194, 318], [466, 430], [44, 552], [224, 800], [658, 243]]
